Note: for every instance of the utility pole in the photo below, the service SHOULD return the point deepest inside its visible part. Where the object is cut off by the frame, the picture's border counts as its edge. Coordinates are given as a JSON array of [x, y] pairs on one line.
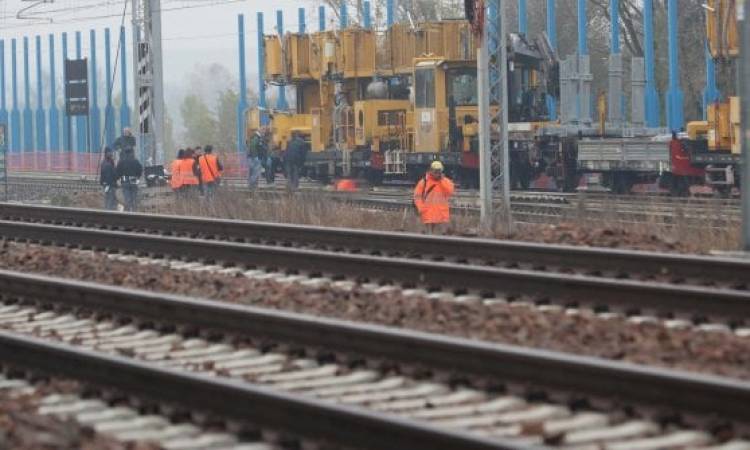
[[743, 7], [149, 82], [492, 70]]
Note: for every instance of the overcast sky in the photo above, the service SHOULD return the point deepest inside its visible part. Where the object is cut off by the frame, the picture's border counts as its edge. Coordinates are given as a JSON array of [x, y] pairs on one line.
[[192, 31]]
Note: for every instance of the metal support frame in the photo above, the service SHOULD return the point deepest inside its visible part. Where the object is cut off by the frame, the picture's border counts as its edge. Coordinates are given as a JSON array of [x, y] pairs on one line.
[[41, 120], [281, 102], [54, 113], [3, 102], [149, 83], [15, 113], [583, 69], [652, 97], [28, 116], [711, 92], [124, 106], [552, 36], [301, 24], [675, 98], [94, 112], [242, 103], [262, 105], [80, 121], [109, 110], [367, 20], [744, 93], [615, 93], [67, 142], [343, 16], [493, 124]]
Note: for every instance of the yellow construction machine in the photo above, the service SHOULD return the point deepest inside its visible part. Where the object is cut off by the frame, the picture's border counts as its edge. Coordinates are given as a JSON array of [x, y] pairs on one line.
[[714, 143], [377, 105]]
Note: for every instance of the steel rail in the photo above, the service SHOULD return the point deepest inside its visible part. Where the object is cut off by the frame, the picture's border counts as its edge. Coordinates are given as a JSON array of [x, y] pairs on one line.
[[572, 376], [302, 416], [623, 262], [727, 305]]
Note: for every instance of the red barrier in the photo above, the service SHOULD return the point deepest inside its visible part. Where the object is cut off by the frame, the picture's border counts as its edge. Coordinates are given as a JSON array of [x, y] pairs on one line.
[[235, 165]]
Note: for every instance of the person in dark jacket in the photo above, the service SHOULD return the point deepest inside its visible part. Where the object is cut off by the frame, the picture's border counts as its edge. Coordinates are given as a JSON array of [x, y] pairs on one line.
[[256, 151], [294, 160], [124, 142], [129, 171], [108, 180]]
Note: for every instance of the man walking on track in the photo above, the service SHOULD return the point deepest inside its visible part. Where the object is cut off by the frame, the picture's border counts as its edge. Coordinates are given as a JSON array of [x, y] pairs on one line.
[[432, 198]]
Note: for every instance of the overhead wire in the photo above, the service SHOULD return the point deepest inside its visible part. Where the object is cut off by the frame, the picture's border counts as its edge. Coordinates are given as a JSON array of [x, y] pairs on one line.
[[203, 4]]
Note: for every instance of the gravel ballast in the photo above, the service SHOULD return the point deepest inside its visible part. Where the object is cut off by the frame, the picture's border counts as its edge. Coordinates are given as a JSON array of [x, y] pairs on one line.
[[585, 333]]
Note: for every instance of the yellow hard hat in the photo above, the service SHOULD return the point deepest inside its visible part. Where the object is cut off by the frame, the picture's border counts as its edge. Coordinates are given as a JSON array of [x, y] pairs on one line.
[[436, 165]]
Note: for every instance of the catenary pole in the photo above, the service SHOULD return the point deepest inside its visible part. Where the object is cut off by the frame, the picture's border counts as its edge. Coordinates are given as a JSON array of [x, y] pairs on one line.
[[744, 91]]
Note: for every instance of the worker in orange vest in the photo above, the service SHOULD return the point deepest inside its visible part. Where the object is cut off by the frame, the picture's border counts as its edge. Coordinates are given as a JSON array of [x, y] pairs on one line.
[[176, 181], [211, 169], [432, 197], [189, 173]]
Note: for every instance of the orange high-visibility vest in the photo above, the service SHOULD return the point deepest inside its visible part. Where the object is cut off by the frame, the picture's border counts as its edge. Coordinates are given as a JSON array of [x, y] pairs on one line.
[[186, 172], [432, 197], [176, 181], [209, 168]]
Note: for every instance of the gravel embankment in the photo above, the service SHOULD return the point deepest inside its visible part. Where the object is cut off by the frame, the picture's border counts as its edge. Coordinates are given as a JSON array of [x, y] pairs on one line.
[[22, 427], [615, 338]]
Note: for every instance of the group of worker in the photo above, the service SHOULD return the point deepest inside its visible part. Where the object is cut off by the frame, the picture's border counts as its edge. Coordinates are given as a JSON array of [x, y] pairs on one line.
[[125, 173], [261, 158], [193, 172]]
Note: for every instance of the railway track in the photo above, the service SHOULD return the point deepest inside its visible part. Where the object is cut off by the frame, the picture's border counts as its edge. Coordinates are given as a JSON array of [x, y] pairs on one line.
[[357, 385], [528, 206], [689, 289]]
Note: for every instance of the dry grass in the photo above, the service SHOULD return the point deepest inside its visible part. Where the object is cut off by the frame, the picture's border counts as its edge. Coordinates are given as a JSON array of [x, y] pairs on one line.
[[595, 224]]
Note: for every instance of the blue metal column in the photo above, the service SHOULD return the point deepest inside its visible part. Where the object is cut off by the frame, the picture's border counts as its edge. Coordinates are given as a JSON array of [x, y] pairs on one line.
[[28, 116], [109, 110], [652, 98], [367, 20], [94, 112], [583, 48], [124, 108], [242, 104], [615, 112], [389, 12], [614, 18], [343, 16], [261, 72], [80, 120], [41, 128], [15, 113], [583, 99], [3, 103], [301, 25], [675, 119], [522, 17], [281, 102], [67, 128], [321, 18], [711, 93], [54, 114], [552, 35]]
